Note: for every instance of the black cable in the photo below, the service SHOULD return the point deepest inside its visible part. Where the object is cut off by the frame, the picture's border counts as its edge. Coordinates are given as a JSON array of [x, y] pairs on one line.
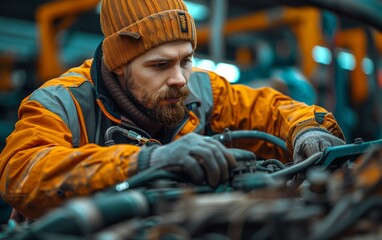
[[264, 169], [110, 132], [274, 162], [226, 137], [298, 167]]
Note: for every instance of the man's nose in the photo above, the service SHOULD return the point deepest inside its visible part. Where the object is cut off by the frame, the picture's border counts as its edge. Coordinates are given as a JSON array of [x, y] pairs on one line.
[[177, 78]]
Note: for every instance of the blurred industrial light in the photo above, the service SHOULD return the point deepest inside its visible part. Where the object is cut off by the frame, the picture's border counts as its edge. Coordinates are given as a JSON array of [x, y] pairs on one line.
[[198, 11], [368, 66], [322, 55], [229, 71], [346, 60], [204, 63]]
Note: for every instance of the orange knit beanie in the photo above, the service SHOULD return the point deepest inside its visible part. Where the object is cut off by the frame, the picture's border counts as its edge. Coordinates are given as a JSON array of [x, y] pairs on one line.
[[131, 27]]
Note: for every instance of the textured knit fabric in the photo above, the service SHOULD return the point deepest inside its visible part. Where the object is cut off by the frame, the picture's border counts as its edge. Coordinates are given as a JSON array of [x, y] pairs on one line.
[[133, 27]]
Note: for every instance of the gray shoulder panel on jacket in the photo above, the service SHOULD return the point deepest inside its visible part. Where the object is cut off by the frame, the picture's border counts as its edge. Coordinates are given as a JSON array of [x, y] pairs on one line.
[[58, 100], [200, 87], [85, 96]]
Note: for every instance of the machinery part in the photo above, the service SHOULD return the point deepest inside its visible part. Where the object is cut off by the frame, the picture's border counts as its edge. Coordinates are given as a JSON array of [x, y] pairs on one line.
[[127, 133], [84, 216], [367, 11], [334, 157]]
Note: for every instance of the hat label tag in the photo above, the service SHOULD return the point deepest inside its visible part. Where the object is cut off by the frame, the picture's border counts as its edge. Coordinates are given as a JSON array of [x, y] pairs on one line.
[[183, 22]]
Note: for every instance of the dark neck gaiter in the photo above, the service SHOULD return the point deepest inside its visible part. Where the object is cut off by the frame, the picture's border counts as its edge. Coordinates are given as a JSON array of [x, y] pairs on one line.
[[129, 110]]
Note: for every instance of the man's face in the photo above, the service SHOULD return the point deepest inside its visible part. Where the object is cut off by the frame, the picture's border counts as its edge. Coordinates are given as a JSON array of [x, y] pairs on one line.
[[157, 80]]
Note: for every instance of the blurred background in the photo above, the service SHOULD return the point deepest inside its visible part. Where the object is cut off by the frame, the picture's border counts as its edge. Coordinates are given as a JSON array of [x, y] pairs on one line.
[[313, 54]]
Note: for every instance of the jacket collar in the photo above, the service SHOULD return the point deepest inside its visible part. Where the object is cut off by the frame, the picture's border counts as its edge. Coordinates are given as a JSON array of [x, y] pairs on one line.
[[102, 94]]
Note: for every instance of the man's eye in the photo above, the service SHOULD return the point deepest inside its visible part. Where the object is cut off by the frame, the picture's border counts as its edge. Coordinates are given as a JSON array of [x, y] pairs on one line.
[[186, 61], [159, 65]]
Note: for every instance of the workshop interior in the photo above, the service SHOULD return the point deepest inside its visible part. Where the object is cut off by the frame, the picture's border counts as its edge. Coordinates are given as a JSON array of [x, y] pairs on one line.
[[324, 52]]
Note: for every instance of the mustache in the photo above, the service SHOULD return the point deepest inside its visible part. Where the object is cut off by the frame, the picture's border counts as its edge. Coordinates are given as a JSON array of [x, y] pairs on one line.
[[174, 92]]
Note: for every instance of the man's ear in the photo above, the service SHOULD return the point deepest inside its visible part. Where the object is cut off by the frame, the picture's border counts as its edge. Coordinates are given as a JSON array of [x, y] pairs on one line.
[[119, 71]]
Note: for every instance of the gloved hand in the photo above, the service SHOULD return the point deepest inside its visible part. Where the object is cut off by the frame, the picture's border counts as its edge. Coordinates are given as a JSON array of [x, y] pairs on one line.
[[202, 158], [312, 141]]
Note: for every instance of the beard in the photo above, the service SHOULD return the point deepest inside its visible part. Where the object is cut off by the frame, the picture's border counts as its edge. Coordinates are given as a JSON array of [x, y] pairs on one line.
[[169, 115]]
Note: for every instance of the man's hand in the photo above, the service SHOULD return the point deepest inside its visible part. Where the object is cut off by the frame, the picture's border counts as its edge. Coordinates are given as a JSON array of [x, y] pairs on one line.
[[312, 141], [202, 158]]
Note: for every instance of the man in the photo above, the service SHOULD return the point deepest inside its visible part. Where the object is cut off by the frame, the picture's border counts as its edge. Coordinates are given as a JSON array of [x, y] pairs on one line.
[[141, 79]]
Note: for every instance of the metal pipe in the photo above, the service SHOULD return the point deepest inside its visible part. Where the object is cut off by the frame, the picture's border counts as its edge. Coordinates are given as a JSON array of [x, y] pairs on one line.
[[219, 14]]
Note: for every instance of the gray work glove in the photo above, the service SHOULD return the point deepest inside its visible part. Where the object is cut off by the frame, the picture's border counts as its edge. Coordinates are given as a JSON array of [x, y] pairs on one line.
[[312, 141], [202, 158]]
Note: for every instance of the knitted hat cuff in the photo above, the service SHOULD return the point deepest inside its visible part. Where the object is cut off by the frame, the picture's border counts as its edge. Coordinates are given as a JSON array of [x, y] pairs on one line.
[[167, 26]]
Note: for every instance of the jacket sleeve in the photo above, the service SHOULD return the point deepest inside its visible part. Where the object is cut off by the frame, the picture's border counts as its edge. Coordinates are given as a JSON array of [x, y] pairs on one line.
[[239, 107], [40, 169]]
